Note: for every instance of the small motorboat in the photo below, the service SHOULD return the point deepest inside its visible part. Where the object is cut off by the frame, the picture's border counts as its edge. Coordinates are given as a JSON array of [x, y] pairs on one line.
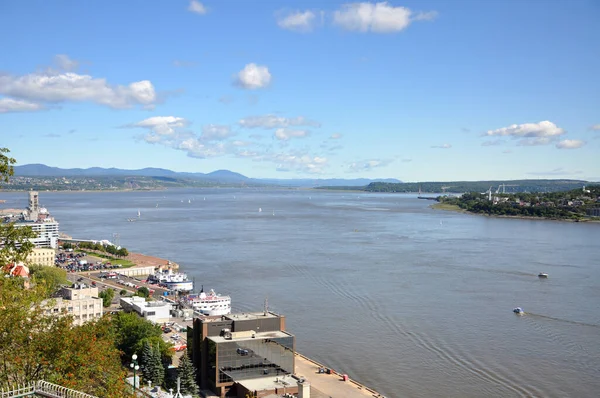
[[542, 275], [519, 311]]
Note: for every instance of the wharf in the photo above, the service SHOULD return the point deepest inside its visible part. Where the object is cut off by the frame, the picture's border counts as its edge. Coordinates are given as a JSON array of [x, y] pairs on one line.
[[144, 260], [323, 385]]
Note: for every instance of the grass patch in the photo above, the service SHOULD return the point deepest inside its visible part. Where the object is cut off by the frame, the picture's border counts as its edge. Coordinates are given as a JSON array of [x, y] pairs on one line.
[[113, 260], [446, 206]]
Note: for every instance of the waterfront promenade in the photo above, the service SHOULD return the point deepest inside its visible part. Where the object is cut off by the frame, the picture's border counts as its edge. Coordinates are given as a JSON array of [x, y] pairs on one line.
[[323, 385]]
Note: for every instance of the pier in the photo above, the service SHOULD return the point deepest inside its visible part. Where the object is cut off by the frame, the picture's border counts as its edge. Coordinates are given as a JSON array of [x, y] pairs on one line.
[[326, 385]]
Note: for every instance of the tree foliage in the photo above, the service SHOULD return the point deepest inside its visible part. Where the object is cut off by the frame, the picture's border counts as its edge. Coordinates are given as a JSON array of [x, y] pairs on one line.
[[35, 345], [143, 292], [132, 332], [51, 277], [107, 296], [187, 372], [15, 244], [555, 205], [6, 165]]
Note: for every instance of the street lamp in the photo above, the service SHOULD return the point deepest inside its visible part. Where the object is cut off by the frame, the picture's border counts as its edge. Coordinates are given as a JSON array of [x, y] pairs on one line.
[[134, 365]]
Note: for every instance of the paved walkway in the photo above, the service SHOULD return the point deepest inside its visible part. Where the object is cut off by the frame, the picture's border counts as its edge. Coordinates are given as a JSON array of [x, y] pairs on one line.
[[324, 385]]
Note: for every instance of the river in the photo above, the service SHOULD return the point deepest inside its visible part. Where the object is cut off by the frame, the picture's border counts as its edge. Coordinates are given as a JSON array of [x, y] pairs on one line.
[[411, 301]]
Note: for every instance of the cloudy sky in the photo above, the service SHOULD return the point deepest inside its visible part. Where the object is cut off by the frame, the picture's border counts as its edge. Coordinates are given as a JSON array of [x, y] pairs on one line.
[[415, 90]]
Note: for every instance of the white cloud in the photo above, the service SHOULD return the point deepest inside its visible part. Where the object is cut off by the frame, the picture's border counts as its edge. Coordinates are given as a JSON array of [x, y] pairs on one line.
[[336, 136], [367, 165], [535, 141], [541, 129], [443, 146], [162, 125], [492, 142], [425, 16], [570, 144], [595, 127], [216, 132], [406, 160], [65, 63], [197, 7], [56, 87], [285, 134], [8, 105], [377, 17], [297, 21], [296, 161], [253, 77], [272, 121]]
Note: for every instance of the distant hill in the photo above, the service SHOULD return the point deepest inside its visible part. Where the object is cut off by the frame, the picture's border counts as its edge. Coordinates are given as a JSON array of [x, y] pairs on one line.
[[218, 176]]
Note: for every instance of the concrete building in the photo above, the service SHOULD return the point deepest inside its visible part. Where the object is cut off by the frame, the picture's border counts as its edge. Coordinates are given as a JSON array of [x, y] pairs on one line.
[[154, 311], [42, 256], [241, 353], [40, 221], [80, 301]]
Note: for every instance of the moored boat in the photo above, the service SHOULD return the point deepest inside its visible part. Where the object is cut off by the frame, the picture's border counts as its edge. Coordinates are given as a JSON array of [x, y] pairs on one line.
[[175, 281], [209, 304]]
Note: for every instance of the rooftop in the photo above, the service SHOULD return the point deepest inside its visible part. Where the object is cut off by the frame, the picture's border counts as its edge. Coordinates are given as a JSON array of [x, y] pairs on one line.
[[240, 316], [269, 383], [257, 336]]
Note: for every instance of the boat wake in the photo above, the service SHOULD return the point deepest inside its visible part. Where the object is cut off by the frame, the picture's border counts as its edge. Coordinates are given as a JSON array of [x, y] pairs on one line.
[[592, 325], [453, 356]]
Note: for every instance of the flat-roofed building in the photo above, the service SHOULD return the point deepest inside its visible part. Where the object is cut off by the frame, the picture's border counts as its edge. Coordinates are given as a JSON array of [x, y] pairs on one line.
[[230, 351], [42, 256], [154, 311], [80, 301]]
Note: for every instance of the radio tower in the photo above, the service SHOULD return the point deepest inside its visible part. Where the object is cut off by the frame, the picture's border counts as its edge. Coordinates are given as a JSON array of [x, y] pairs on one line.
[[116, 239]]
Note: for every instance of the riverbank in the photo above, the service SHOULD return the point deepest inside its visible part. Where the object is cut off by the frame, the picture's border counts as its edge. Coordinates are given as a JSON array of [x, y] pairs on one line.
[[456, 209]]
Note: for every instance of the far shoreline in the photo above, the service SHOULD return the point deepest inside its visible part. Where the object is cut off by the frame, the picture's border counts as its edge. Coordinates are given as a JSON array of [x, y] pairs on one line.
[[456, 209]]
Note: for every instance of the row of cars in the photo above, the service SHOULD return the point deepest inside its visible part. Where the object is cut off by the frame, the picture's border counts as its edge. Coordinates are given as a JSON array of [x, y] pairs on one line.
[[78, 262]]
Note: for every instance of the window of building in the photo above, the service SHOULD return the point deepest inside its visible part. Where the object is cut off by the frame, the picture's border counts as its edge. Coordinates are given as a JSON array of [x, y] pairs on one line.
[[150, 313], [70, 309]]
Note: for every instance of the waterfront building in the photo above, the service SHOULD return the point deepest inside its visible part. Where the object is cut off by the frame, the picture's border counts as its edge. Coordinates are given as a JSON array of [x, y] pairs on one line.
[[80, 301], [40, 221], [42, 256], [154, 311], [240, 353]]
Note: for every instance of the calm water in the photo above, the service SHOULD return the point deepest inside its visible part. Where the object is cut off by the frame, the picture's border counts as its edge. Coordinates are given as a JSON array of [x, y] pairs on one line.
[[411, 301]]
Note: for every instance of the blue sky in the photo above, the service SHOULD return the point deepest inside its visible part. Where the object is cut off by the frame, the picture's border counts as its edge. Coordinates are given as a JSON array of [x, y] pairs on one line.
[[414, 90]]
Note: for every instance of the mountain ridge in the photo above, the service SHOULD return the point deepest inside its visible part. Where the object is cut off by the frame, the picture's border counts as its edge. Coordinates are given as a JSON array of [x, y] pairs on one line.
[[223, 176]]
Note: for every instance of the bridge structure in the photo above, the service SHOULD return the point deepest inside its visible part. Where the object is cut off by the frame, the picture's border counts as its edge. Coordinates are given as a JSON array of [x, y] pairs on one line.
[[43, 388]]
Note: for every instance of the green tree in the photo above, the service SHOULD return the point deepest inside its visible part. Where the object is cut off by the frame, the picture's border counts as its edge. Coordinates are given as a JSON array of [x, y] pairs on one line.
[[157, 370], [187, 372], [122, 252], [6, 165], [52, 277], [146, 359], [15, 244], [33, 345], [133, 331], [143, 292], [107, 296], [123, 292], [67, 245]]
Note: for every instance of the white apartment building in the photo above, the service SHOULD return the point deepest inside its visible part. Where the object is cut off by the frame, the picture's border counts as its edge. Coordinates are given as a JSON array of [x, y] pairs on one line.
[[154, 311], [42, 256], [41, 222], [80, 301]]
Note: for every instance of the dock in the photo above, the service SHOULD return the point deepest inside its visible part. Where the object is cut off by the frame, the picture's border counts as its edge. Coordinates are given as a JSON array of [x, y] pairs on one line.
[[324, 385]]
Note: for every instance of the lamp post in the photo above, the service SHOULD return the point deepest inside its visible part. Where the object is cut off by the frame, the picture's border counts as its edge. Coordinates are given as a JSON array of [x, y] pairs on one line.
[[134, 365]]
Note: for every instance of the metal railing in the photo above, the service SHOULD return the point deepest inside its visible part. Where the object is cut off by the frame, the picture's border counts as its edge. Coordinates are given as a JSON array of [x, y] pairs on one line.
[[44, 389]]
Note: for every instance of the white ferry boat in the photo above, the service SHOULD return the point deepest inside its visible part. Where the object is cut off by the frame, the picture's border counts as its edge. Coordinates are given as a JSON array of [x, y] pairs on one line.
[[178, 282], [209, 304]]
